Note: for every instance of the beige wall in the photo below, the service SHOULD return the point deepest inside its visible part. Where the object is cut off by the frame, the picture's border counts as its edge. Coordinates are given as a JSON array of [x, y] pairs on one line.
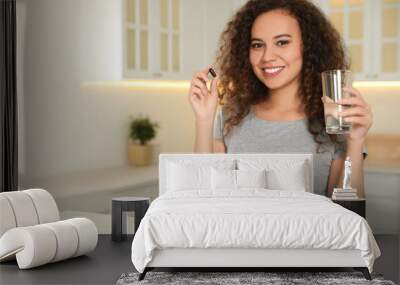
[[171, 108], [386, 109], [97, 129]]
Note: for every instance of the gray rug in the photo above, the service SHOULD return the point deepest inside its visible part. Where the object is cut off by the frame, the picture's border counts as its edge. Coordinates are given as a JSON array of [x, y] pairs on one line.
[[230, 278]]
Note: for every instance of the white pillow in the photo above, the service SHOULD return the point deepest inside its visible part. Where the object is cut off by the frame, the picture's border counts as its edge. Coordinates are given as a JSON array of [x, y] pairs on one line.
[[282, 174], [223, 179], [186, 174], [291, 179], [251, 178], [181, 177], [228, 179]]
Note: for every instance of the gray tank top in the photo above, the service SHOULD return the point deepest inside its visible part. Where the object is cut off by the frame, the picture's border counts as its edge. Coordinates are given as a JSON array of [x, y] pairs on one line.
[[255, 135]]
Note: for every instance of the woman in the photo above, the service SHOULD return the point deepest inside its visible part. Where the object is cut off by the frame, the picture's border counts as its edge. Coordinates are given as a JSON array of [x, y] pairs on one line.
[[271, 57]]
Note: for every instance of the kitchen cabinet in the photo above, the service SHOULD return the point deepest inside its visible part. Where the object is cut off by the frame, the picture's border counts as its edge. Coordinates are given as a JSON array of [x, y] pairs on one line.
[[371, 31], [152, 38], [172, 39]]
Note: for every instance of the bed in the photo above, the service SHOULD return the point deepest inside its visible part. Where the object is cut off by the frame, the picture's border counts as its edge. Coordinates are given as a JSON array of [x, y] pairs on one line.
[[245, 211]]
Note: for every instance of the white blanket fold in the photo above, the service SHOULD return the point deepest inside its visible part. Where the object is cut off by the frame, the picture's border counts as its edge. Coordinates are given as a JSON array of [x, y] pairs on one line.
[[251, 218]]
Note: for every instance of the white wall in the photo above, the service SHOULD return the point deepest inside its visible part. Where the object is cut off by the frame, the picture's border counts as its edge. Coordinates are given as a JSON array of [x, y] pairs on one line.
[[385, 106], [66, 42]]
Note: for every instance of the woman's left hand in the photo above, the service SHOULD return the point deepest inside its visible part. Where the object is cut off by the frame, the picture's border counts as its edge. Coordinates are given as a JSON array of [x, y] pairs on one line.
[[359, 114]]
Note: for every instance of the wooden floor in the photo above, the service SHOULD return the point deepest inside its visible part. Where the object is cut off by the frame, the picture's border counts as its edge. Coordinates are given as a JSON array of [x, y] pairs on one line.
[[111, 259]]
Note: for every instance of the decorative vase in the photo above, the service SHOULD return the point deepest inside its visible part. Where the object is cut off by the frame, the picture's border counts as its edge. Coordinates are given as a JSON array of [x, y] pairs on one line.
[[139, 155]]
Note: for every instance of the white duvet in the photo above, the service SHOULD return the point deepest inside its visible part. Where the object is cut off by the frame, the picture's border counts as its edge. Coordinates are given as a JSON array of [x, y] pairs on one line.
[[251, 218]]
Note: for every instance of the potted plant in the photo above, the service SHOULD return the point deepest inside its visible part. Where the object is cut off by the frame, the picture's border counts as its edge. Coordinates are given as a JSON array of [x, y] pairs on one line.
[[142, 130]]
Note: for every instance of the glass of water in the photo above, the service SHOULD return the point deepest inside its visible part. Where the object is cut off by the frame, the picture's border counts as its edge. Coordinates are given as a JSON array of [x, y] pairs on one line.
[[333, 82]]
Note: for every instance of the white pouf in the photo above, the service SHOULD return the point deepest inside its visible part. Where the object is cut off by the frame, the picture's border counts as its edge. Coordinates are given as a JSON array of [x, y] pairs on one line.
[[31, 232]]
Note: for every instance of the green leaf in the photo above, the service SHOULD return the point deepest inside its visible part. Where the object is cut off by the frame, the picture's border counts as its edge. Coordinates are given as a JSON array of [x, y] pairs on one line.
[[142, 129]]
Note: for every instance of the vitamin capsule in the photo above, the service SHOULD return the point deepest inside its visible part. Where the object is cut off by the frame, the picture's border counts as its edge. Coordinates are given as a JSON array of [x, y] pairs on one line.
[[212, 72]]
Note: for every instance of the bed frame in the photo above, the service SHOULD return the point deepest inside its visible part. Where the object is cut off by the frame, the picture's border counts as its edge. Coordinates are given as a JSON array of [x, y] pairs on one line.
[[246, 259]]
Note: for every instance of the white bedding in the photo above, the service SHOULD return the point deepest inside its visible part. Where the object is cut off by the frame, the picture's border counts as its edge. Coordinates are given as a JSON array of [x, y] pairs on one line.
[[251, 218]]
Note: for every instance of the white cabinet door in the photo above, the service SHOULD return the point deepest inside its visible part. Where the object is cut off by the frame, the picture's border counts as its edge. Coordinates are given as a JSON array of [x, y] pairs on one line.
[[371, 31], [136, 29], [152, 38], [168, 37], [203, 23], [388, 41], [192, 37], [350, 18], [172, 39], [216, 17]]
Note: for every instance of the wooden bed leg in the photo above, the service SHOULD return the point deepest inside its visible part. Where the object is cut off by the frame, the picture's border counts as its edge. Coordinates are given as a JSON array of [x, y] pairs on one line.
[[364, 271], [143, 274]]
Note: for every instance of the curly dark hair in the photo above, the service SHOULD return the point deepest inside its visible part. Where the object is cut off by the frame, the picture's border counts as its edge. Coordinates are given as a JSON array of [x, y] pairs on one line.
[[323, 49]]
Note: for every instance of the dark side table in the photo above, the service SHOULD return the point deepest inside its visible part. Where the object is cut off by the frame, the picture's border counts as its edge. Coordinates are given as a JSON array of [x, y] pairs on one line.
[[357, 206], [139, 205]]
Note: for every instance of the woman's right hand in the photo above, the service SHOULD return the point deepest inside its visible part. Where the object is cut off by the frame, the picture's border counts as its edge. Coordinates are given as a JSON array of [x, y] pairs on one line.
[[204, 102]]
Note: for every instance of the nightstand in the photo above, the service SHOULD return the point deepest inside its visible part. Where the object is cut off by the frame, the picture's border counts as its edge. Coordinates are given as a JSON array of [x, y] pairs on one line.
[[139, 205], [357, 206]]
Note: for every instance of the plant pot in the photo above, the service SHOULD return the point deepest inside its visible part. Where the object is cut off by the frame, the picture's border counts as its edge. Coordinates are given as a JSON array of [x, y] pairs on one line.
[[139, 155]]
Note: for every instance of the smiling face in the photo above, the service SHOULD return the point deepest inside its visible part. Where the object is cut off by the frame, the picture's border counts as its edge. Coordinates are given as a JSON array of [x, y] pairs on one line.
[[276, 49]]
